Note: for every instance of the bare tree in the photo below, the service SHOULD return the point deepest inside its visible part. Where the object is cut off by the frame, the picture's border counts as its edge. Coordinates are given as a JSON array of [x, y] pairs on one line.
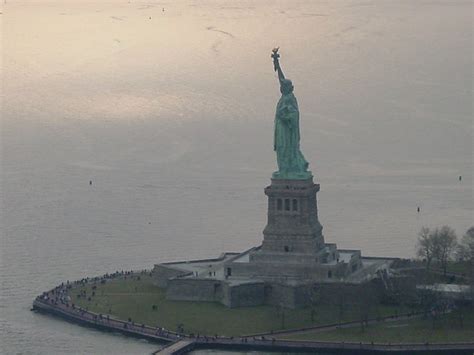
[[465, 250], [365, 303], [437, 244], [444, 239], [425, 246]]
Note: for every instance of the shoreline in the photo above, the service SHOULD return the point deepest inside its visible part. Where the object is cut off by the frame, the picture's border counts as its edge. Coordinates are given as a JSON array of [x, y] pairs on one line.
[[56, 302]]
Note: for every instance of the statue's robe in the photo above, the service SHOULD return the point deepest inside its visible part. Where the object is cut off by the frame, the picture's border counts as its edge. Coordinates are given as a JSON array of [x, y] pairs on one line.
[[287, 137]]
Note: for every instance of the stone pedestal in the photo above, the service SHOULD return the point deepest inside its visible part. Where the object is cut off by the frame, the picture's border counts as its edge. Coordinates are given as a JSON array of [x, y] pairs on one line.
[[293, 233]]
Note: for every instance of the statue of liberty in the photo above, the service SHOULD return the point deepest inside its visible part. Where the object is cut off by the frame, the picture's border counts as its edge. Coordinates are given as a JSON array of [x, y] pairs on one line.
[[286, 144]]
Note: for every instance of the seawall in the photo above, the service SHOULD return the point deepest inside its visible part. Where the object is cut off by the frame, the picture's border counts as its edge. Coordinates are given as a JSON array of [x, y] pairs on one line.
[[56, 302]]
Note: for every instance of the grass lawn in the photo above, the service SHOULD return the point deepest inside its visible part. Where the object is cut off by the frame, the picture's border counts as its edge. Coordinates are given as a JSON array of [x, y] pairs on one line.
[[461, 267], [124, 298], [446, 328], [424, 276]]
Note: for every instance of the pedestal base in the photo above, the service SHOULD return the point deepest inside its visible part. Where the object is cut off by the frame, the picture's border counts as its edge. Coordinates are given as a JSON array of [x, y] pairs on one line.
[[292, 175]]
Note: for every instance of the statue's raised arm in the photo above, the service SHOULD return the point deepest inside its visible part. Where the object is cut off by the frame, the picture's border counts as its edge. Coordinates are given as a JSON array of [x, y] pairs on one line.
[[286, 86], [276, 63]]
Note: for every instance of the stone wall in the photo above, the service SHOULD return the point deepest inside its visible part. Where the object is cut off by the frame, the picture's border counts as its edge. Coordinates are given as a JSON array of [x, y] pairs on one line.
[[208, 290], [324, 293], [274, 293], [244, 295], [162, 273], [280, 295], [279, 271]]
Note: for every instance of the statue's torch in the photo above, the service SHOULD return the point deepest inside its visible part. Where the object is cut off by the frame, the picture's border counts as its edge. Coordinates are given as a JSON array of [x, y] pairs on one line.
[[275, 57]]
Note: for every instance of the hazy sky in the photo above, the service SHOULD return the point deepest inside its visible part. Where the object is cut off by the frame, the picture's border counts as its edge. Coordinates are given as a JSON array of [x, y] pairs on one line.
[[384, 88]]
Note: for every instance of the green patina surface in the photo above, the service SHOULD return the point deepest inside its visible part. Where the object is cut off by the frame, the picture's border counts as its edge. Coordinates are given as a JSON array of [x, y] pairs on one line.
[[454, 327], [286, 143], [132, 298]]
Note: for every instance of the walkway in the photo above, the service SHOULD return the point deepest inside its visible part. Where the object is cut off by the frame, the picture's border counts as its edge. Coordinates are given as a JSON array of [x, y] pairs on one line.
[[180, 347], [351, 324]]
